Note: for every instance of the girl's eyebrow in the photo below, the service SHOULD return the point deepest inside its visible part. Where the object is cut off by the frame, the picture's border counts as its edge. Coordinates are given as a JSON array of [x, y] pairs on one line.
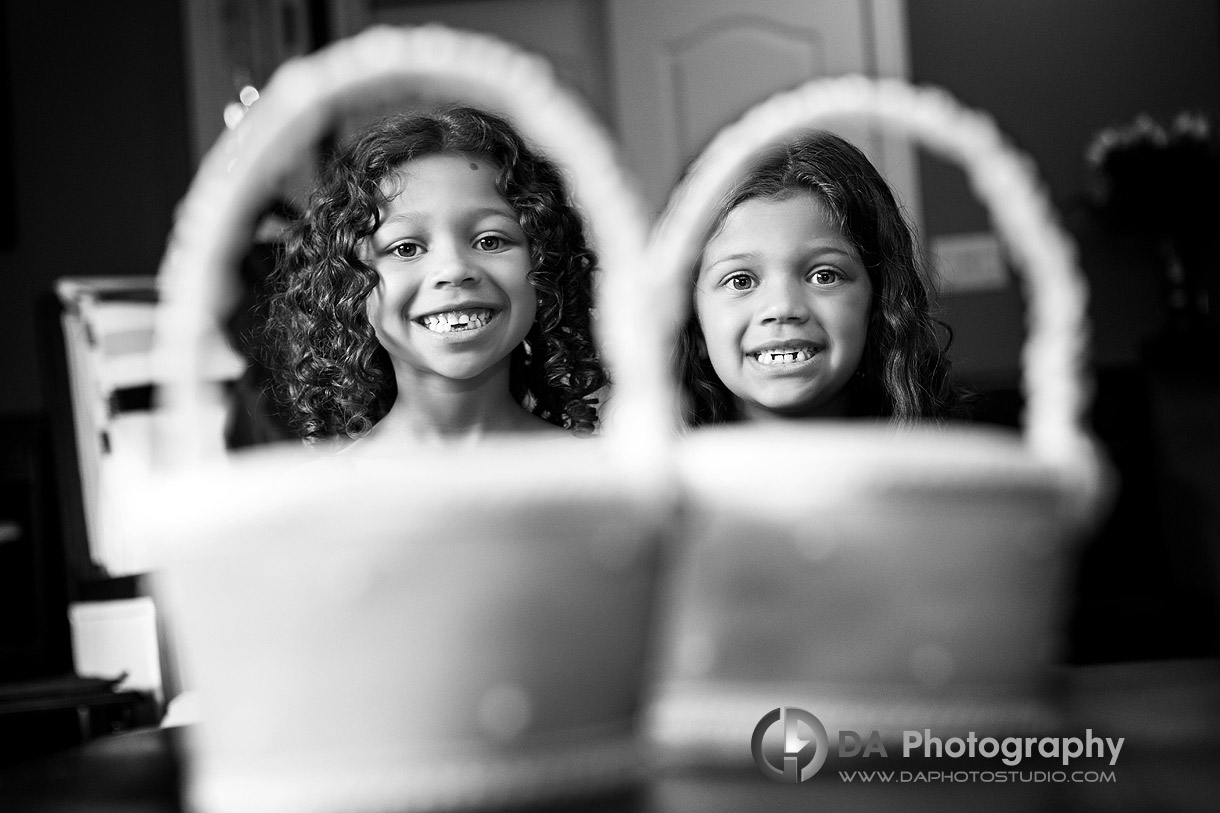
[[506, 212], [399, 217], [817, 249], [413, 216], [849, 251], [736, 256], [821, 247]]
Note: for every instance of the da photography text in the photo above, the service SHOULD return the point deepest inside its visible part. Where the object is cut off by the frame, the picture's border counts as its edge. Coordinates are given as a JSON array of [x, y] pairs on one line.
[[790, 745], [1010, 750]]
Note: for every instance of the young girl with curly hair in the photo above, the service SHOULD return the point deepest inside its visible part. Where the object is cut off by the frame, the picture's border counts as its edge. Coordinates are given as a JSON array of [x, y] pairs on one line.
[[438, 286], [810, 299]]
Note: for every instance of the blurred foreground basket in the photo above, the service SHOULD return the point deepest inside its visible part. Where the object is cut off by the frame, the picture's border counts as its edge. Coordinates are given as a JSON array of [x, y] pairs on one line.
[[422, 628], [882, 578]]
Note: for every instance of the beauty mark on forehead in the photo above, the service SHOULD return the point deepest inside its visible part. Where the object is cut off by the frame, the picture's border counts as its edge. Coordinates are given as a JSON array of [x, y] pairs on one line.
[[474, 166]]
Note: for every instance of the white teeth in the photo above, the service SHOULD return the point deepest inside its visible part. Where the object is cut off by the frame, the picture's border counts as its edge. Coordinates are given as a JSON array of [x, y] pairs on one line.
[[770, 357], [456, 321]]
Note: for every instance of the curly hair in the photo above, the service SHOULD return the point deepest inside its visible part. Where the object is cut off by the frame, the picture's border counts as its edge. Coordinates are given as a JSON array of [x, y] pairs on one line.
[[329, 370], [904, 373]]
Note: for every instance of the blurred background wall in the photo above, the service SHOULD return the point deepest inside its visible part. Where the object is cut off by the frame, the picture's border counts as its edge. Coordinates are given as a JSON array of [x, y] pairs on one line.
[[100, 157], [1053, 74]]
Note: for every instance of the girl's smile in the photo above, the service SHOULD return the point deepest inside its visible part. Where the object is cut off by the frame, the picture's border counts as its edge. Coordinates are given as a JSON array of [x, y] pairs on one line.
[[783, 301], [784, 357], [451, 322]]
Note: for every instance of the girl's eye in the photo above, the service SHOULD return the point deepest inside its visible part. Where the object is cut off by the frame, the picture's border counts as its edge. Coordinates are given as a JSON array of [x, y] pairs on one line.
[[739, 282], [490, 242], [406, 251], [825, 276]]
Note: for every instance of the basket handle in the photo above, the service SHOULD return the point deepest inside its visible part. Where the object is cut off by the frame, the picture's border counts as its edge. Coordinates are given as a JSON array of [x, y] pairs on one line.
[[304, 98], [1054, 383]]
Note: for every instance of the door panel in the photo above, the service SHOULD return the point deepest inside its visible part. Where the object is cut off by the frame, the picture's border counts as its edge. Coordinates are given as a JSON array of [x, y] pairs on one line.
[[683, 70]]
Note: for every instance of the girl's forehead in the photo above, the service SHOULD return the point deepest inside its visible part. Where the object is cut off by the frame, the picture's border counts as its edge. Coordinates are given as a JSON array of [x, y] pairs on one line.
[[393, 181], [444, 179], [812, 197], [767, 206]]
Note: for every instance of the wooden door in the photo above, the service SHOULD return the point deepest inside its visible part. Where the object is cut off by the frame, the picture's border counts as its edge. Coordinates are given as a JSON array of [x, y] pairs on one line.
[[684, 69]]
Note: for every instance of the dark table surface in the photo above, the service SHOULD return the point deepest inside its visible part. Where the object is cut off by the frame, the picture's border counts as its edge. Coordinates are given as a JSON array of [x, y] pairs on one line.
[[1169, 713]]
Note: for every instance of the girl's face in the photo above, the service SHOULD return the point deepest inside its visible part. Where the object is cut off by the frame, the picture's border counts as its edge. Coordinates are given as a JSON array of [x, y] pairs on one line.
[[782, 299], [454, 296]]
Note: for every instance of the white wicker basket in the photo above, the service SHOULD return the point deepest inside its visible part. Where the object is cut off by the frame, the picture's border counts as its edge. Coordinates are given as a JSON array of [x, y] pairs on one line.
[[422, 629], [882, 579]]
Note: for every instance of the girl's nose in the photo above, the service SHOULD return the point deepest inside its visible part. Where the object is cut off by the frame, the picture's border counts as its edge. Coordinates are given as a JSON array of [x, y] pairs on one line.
[[783, 302], [453, 266]]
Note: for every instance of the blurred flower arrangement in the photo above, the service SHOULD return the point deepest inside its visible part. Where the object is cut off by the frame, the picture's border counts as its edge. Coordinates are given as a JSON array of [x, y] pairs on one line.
[[1163, 183]]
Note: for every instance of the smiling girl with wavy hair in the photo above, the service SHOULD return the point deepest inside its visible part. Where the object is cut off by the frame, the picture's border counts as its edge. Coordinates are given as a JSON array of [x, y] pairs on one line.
[[437, 286], [810, 298]]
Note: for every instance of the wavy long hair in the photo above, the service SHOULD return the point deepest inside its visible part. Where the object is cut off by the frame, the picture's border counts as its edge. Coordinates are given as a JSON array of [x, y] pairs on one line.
[[329, 370], [904, 374]]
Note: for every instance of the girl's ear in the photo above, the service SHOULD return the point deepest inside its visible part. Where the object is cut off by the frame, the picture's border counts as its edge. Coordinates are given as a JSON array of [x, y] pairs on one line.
[[701, 345]]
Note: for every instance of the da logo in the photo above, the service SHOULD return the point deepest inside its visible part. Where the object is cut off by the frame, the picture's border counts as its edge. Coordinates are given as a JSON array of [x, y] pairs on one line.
[[808, 744]]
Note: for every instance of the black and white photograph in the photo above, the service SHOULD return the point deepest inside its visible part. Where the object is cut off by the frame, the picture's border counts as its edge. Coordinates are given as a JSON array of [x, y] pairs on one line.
[[627, 406]]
